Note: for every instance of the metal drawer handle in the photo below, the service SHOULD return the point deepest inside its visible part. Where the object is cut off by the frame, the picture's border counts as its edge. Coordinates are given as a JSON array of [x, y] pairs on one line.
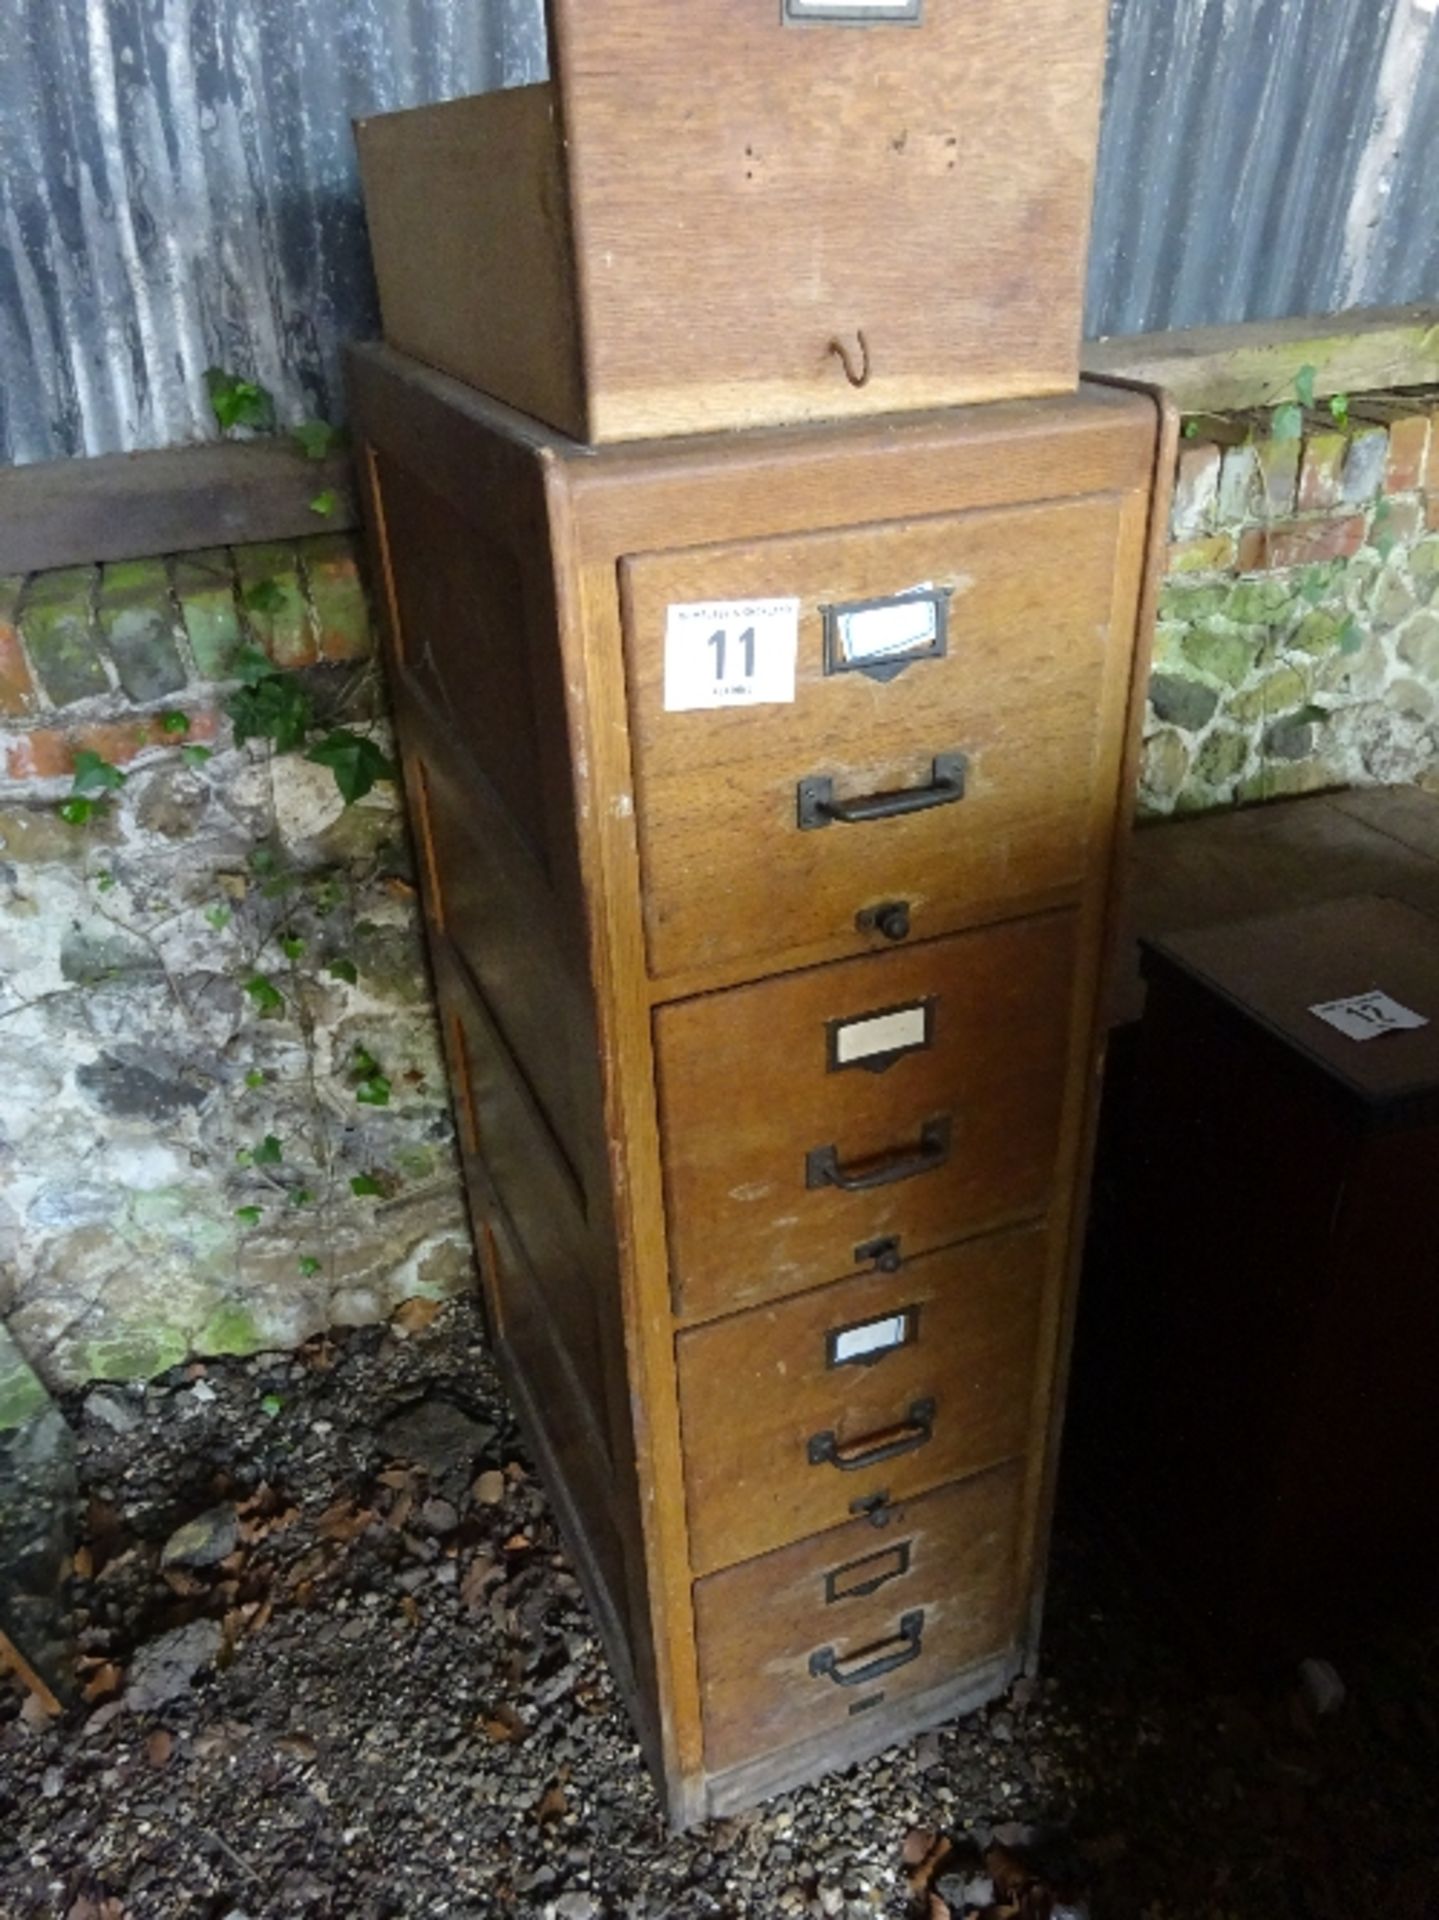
[[822, 1165], [876, 1661], [853, 1456], [818, 807]]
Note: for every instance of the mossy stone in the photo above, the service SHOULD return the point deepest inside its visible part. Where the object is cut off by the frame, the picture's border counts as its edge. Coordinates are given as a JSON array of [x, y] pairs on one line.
[[1258, 603], [1222, 757], [1275, 694], [1180, 702], [1222, 652]]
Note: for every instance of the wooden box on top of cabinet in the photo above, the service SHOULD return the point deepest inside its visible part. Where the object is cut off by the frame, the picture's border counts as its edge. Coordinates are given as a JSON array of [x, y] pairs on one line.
[[737, 212], [768, 791]]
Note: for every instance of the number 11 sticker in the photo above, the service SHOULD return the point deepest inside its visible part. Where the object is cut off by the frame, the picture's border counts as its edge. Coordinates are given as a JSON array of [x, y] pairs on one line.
[[730, 653]]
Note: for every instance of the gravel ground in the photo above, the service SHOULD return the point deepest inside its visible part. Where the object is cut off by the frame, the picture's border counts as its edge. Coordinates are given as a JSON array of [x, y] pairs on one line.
[[336, 1665]]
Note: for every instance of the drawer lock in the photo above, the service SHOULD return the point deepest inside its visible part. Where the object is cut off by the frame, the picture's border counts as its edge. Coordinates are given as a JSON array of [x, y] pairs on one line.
[[891, 919], [817, 806], [872, 1663], [822, 1166], [853, 1456]]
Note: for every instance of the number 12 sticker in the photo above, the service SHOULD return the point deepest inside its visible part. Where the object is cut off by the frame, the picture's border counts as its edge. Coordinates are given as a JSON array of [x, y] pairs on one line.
[[730, 653]]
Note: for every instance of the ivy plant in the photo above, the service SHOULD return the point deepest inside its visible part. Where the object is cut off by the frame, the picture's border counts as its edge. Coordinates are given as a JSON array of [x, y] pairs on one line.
[[239, 403]]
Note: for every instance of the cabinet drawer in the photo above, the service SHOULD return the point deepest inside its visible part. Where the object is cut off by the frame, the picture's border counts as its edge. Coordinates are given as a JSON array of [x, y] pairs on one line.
[[879, 1387], [915, 1094], [988, 755], [808, 1638]]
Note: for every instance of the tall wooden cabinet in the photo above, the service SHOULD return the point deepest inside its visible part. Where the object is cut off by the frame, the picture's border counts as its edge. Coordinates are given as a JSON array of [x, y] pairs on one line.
[[769, 789]]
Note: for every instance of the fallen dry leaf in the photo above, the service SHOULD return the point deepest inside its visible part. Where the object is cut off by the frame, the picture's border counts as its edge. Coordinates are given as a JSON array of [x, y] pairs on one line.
[[158, 1748], [553, 1805], [477, 1578], [106, 1679], [299, 1746], [415, 1315], [917, 1844], [489, 1489], [83, 1565], [502, 1725], [410, 1607], [344, 1521]]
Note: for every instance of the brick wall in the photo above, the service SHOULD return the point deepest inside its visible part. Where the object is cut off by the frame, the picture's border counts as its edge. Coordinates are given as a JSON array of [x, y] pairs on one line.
[[145, 1215], [1298, 643]]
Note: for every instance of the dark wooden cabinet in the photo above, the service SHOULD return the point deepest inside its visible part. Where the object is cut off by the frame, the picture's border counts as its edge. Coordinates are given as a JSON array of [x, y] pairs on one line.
[[1276, 1346], [738, 212], [769, 791]]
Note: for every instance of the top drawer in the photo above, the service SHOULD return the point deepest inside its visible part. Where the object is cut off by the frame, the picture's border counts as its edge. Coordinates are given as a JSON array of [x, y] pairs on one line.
[[711, 201], [928, 712]]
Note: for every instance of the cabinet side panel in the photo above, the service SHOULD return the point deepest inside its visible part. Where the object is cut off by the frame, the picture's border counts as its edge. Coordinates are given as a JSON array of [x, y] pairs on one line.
[[466, 581], [466, 204]]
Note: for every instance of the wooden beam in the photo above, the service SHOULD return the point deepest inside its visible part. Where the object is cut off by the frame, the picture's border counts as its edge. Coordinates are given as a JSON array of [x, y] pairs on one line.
[[1256, 364], [127, 506]]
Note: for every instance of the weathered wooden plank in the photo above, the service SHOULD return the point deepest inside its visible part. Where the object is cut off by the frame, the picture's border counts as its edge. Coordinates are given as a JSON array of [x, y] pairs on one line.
[[125, 506], [1256, 364]]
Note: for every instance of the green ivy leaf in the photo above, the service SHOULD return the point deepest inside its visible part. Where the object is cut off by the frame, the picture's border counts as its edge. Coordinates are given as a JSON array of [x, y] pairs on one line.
[[237, 402], [309, 1265], [1339, 408], [364, 1186], [315, 438], [357, 763], [1304, 385], [104, 882], [253, 666], [374, 1092], [79, 812], [292, 947], [94, 773], [363, 1064], [1288, 424], [344, 970], [248, 1216], [219, 916], [1191, 429], [174, 722], [266, 996], [254, 1078], [273, 709], [269, 1153], [266, 596], [325, 503], [302, 1197], [272, 1404], [262, 859], [196, 756]]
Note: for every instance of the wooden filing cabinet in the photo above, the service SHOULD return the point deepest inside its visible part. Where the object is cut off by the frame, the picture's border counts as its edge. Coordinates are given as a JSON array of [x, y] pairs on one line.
[[737, 212], [768, 791]]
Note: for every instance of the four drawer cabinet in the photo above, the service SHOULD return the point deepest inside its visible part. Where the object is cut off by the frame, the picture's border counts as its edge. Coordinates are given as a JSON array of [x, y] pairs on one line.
[[768, 793], [736, 213]]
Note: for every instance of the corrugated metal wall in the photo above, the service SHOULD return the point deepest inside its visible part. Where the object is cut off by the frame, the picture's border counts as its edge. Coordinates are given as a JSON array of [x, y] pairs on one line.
[[1265, 157], [177, 184], [178, 189]]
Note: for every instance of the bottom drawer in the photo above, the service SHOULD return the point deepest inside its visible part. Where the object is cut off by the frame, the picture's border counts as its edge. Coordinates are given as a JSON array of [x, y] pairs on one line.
[[804, 1640]]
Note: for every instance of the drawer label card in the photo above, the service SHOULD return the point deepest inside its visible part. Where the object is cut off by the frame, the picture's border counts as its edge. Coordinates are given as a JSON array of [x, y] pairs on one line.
[[853, 10], [881, 638], [730, 653], [869, 1341], [1366, 1016], [879, 1039]]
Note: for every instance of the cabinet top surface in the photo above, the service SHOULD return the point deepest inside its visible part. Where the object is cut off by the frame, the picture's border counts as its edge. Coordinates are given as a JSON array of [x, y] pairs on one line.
[[1351, 985], [1090, 405]]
